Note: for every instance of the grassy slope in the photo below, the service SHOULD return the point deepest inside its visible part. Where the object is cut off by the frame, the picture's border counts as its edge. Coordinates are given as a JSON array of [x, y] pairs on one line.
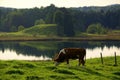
[[33, 33], [44, 29], [38, 30], [45, 70], [49, 32]]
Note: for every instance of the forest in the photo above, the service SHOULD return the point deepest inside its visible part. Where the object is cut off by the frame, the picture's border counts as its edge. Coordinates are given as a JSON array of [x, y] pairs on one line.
[[68, 20]]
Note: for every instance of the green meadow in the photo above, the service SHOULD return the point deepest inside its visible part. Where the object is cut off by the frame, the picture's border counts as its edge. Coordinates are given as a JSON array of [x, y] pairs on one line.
[[45, 70], [49, 32], [43, 29]]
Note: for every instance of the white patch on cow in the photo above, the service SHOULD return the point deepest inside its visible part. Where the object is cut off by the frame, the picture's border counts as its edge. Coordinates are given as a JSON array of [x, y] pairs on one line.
[[63, 51]]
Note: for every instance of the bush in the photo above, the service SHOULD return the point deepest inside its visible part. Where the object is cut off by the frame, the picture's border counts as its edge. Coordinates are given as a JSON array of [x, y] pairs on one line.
[[96, 29], [20, 28], [38, 22]]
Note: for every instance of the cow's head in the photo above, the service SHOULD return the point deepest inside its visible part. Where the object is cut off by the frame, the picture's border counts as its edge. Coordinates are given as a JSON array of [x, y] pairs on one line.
[[59, 58]]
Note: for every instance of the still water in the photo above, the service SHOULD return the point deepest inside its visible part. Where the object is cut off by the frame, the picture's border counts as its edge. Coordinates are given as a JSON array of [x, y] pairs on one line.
[[45, 50]]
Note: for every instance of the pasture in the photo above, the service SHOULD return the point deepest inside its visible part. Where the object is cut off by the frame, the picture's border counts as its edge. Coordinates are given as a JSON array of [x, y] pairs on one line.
[[45, 70], [49, 32]]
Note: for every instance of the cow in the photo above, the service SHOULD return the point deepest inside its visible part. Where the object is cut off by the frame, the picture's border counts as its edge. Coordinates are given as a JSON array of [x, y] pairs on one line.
[[70, 53]]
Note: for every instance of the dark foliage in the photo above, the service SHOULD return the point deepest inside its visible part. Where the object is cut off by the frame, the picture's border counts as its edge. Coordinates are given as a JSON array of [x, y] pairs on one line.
[[70, 19]]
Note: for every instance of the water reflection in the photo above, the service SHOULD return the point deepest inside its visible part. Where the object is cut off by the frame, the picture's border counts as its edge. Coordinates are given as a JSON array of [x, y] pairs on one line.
[[12, 55], [94, 53], [44, 50]]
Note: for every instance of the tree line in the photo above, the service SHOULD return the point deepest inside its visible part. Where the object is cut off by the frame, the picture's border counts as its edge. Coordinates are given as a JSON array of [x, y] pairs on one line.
[[68, 20]]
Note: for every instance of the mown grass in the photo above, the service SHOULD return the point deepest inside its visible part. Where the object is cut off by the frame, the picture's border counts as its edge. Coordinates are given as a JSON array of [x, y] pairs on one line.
[[45, 70]]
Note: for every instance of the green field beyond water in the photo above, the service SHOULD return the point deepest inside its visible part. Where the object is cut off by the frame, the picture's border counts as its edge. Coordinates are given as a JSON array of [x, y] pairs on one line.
[[45, 70], [49, 32]]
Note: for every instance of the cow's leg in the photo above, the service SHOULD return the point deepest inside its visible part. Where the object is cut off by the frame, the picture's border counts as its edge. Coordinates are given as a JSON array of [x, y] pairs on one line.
[[67, 61], [83, 62], [79, 62]]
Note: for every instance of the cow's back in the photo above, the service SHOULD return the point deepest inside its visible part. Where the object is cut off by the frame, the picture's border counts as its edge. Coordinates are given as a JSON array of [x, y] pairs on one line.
[[75, 52]]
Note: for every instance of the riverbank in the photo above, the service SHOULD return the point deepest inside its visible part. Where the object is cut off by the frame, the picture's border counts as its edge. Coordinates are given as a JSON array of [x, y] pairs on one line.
[[21, 36], [81, 38], [45, 70]]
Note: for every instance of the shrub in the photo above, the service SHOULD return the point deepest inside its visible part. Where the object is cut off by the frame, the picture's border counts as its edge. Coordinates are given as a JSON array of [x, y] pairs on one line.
[[96, 29]]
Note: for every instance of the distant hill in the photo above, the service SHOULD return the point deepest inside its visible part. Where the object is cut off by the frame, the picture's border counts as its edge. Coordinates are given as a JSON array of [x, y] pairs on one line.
[[99, 8], [43, 30]]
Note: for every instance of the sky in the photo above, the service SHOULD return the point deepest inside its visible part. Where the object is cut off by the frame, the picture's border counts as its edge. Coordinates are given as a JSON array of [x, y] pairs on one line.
[[58, 3]]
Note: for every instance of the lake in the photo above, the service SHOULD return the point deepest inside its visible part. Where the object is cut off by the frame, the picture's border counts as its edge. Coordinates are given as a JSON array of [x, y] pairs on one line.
[[45, 50]]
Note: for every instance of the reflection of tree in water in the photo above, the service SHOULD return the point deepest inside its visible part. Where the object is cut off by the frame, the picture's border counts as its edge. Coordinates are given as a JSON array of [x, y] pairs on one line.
[[55, 47], [26, 50], [30, 51], [84, 44]]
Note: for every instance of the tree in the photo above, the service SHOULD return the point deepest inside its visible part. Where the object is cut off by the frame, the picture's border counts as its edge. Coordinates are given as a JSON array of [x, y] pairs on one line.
[[80, 18], [63, 19], [38, 22], [49, 10], [96, 29], [21, 27], [58, 18], [13, 29], [68, 23], [91, 29]]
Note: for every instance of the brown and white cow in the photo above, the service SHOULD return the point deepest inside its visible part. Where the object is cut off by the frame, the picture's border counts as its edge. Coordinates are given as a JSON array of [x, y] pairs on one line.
[[70, 53]]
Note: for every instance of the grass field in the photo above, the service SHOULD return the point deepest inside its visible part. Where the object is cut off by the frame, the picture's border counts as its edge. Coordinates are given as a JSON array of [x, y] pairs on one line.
[[49, 32], [45, 70], [43, 30]]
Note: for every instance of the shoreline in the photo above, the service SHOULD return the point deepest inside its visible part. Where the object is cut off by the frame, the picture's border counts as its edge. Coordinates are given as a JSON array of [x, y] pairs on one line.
[[88, 38]]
